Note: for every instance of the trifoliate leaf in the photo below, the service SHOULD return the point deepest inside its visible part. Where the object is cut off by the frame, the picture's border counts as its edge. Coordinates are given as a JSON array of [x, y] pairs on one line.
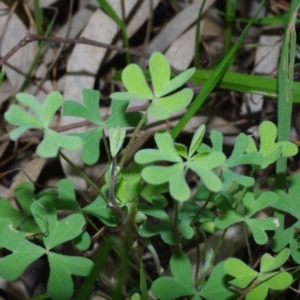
[[53, 141]]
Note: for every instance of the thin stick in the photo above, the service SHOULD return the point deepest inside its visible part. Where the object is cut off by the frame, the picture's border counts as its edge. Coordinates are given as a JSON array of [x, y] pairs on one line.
[[60, 40]]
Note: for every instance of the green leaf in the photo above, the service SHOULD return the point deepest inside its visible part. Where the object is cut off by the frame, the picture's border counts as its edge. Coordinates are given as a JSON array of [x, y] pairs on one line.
[[162, 108], [180, 285], [126, 96], [260, 292], [289, 202], [52, 103], [82, 241], [116, 139], [179, 189], [217, 287], [31, 102], [280, 281], [203, 168], [135, 82], [24, 252], [90, 148], [217, 140], [24, 195], [268, 134], [60, 284], [269, 263], [253, 206], [197, 140], [17, 116], [181, 150], [177, 81], [159, 175], [244, 274], [239, 157], [230, 216], [58, 232], [119, 116], [99, 209], [53, 141], [128, 186], [160, 72], [259, 226], [288, 148]]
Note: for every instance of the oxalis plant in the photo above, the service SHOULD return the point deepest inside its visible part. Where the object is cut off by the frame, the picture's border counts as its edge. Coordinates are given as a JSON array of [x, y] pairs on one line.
[[150, 198]]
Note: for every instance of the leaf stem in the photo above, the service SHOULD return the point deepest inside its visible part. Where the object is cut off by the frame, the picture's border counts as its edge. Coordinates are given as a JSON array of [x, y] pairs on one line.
[[84, 176], [104, 139], [112, 200], [175, 226]]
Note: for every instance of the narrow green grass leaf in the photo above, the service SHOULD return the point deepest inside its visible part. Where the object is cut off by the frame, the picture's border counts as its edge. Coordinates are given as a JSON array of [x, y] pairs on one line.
[[213, 80], [246, 83]]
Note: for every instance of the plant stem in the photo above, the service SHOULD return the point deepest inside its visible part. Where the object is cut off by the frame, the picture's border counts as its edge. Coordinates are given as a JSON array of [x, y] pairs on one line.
[[247, 243], [104, 139], [175, 226], [84, 176], [112, 200]]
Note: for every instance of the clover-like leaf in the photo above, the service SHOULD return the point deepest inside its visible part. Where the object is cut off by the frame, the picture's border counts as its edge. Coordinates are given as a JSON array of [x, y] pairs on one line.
[[253, 206], [60, 284], [257, 226], [99, 209], [203, 167], [216, 287], [53, 141], [165, 227], [181, 285], [271, 150], [23, 251], [162, 108], [269, 263], [58, 231], [162, 104], [44, 113], [243, 274], [177, 81], [90, 111]]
